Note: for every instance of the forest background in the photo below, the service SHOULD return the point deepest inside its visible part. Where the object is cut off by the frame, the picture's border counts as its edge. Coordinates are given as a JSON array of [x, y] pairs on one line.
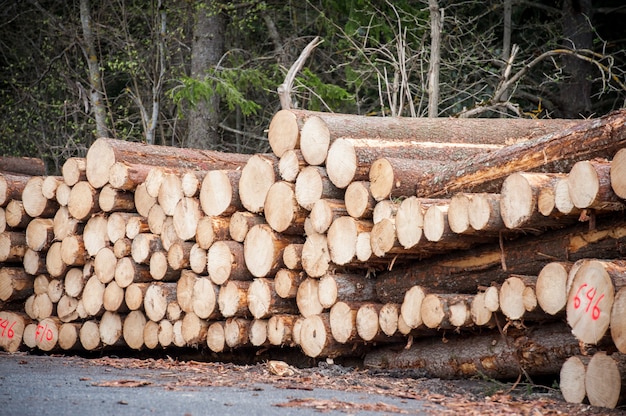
[[205, 73]]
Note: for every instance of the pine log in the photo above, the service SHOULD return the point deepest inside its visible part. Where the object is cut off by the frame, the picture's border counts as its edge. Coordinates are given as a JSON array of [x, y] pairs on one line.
[[12, 187], [73, 251], [170, 192], [65, 225], [75, 280], [197, 260], [551, 287], [103, 153], [35, 203], [178, 254], [519, 200], [155, 177], [553, 152], [358, 200], [104, 264], [95, 234], [15, 215], [111, 199], [132, 330], [617, 322], [67, 309], [215, 337], [316, 338], [31, 166], [134, 295], [93, 297], [484, 213], [315, 255], [236, 332], [286, 126], [604, 379], [184, 290], [73, 170], [307, 298], [589, 184], [177, 328], [409, 221], [113, 298], [84, 201], [151, 335], [110, 328], [68, 336], [534, 352], [241, 222], [281, 209], [286, 282], [289, 164], [63, 194], [481, 266], [116, 225], [128, 271], [186, 216], [591, 297], [144, 245], [341, 238], [156, 219], [396, 177], [219, 193], [313, 184], [15, 284], [191, 182], [127, 176], [333, 288], [562, 199], [204, 299], [47, 334], [572, 378], [40, 234], [12, 246], [388, 318], [156, 298], [263, 250], [446, 311], [263, 301], [166, 333], [225, 260], [257, 176], [367, 325], [54, 261], [324, 212], [517, 296], [479, 311], [617, 174], [342, 321], [194, 330], [50, 185], [279, 329], [411, 306], [168, 234], [12, 325], [212, 229], [233, 299], [143, 201], [292, 256]]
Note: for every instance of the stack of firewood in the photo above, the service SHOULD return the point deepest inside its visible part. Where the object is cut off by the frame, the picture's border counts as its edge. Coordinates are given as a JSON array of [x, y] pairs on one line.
[[485, 247]]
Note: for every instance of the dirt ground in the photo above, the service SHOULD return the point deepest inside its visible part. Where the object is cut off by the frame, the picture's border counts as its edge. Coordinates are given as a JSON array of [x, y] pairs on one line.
[[467, 397]]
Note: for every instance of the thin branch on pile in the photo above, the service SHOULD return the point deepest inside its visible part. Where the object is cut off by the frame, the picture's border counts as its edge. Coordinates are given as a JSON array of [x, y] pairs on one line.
[[284, 89]]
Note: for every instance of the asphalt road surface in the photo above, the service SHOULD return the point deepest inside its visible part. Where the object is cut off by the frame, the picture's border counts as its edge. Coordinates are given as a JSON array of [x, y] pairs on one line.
[[61, 385]]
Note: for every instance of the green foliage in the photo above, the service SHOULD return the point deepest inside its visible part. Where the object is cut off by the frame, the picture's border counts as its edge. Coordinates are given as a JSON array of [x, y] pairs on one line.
[[324, 97]]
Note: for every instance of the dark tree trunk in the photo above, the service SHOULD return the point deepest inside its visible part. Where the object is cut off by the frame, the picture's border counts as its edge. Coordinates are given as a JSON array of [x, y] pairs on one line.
[[575, 97], [207, 49]]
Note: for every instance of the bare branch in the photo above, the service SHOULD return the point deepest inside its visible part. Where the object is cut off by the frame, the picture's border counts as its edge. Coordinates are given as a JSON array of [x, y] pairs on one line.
[[284, 89]]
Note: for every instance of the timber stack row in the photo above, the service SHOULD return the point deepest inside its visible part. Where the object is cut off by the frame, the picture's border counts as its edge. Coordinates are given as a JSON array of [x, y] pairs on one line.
[[485, 247]]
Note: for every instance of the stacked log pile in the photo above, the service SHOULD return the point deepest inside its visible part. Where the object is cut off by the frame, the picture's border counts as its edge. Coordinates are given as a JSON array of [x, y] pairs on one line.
[[483, 247]]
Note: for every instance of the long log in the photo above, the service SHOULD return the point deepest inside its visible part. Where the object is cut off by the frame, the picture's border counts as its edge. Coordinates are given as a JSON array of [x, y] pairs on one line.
[[103, 153], [463, 272], [537, 351], [30, 166], [554, 152]]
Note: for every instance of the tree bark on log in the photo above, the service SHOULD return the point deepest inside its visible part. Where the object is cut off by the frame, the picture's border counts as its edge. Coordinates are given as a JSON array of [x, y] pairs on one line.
[[481, 266], [554, 152], [257, 176], [241, 222], [263, 301], [333, 288], [533, 352], [103, 153], [115, 200], [30, 166], [12, 187], [225, 260], [589, 184], [282, 211]]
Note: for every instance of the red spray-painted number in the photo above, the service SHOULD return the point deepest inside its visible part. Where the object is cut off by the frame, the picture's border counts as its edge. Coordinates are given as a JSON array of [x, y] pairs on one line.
[[7, 328], [588, 293]]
